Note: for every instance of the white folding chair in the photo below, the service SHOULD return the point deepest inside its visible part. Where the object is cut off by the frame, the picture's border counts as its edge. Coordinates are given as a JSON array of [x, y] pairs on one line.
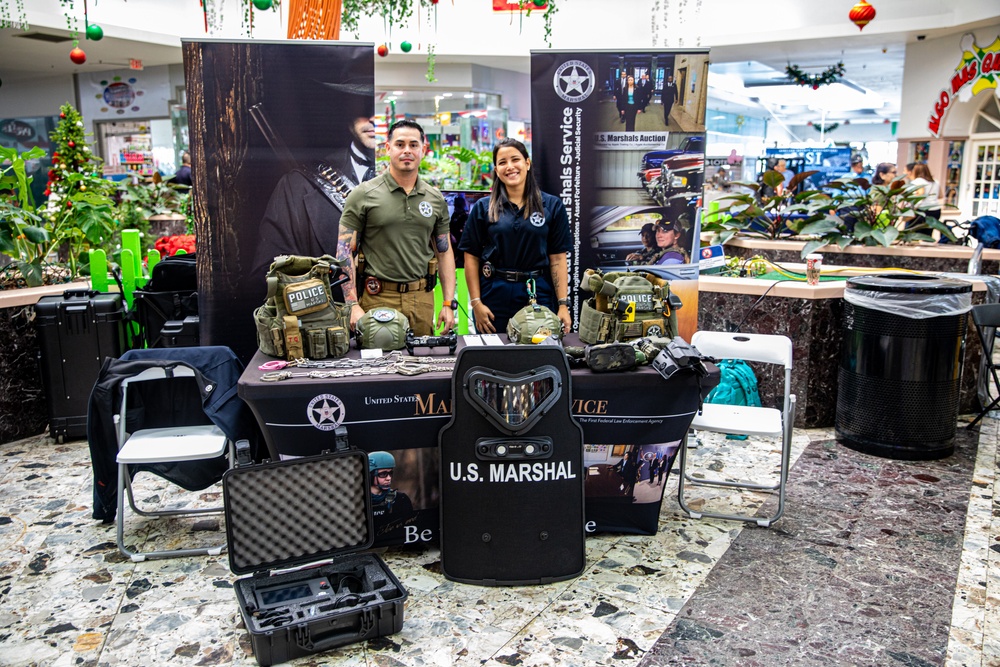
[[172, 445], [754, 422]]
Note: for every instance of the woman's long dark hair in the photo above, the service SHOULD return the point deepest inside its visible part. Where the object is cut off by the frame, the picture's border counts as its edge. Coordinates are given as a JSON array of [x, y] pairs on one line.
[[498, 193], [880, 171]]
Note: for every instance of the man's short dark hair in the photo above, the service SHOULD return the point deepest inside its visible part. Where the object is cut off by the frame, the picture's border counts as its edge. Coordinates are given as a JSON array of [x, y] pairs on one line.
[[412, 124], [857, 159]]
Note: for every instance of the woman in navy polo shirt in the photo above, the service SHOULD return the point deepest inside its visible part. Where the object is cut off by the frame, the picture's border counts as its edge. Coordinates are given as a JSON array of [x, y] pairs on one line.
[[518, 233]]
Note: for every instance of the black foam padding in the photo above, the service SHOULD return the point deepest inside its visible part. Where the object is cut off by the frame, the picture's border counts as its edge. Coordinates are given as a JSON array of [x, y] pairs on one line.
[[293, 512]]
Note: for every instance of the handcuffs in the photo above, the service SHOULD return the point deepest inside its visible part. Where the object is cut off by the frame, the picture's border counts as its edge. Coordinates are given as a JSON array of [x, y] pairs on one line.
[[394, 362]]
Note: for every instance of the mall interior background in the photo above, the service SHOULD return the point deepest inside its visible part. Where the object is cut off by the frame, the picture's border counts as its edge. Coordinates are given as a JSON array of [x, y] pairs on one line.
[[895, 69]]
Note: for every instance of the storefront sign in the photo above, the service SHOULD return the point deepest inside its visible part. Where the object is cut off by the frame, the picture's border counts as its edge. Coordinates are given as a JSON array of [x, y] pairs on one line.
[[978, 70], [17, 129]]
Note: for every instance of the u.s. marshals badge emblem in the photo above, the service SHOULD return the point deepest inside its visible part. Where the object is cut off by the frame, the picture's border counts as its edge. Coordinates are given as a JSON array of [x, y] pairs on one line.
[[425, 209], [325, 412]]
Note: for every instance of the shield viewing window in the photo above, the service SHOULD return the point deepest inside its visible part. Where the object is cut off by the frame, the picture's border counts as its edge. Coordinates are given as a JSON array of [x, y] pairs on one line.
[[513, 403]]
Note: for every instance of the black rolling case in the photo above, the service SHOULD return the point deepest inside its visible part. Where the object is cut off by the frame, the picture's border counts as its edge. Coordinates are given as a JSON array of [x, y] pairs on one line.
[[167, 307], [76, 332], [313, 512]]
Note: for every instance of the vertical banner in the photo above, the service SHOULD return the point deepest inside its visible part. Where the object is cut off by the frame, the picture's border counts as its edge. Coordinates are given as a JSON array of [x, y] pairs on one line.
[[619, 136], [277, 130]]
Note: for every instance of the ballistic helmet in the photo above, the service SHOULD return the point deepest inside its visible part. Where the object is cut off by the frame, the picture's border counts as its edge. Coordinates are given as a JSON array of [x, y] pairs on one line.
[[380, 461], [383, 328], [533, 324]]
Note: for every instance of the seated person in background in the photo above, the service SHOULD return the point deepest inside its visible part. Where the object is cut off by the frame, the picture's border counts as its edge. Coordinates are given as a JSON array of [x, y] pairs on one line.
[[649, 247], [885, 174], [668, 235]]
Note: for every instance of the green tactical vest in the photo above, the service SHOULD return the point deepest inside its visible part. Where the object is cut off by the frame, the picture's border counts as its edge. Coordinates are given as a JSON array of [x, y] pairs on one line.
[[299, 319], [626, 306]]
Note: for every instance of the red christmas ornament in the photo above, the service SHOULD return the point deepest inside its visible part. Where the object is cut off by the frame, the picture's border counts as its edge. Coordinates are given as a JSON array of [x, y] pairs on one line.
[[54, 156], [815, 86], [71, 144], [62, 114], [434, 2], [383, 50], [47, 192], [861, 14], [78, 56]]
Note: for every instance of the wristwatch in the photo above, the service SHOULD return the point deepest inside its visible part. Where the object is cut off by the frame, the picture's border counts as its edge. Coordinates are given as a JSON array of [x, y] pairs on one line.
[[454, 304], [563, 302]]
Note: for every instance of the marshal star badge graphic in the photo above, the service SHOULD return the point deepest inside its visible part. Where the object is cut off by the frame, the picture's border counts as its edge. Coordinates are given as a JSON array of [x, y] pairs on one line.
[[425, 209], [574, 81], [537, 219], [325, 412]]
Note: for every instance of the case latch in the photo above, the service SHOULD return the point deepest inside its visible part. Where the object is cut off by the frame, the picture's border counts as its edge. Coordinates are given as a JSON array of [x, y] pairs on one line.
[[243, 455]]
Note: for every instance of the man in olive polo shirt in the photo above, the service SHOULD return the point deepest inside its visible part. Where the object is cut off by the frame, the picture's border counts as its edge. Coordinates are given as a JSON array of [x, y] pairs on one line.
[[399, 223]]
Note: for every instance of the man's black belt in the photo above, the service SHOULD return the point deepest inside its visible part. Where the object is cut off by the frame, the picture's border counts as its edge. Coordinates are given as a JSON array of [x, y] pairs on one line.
[[514, 276]]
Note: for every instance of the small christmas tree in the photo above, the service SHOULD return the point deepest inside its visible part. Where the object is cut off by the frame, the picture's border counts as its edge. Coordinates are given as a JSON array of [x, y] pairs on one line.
[[79, 210]]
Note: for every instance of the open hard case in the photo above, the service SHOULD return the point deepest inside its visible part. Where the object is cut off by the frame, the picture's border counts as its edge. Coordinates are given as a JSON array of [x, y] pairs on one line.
[[316, 513]]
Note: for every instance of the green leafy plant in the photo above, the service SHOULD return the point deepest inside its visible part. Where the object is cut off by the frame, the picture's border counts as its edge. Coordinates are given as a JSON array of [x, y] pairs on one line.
[[456, 162], [767, 211], [857, 212]]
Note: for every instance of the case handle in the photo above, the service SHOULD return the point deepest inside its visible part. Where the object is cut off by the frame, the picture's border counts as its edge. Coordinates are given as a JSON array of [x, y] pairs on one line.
[[358, 630]]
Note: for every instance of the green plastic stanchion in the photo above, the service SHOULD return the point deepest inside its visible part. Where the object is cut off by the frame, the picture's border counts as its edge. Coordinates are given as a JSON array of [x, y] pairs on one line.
[[128, 275], [152, 260], [462, 324], [99, 271]]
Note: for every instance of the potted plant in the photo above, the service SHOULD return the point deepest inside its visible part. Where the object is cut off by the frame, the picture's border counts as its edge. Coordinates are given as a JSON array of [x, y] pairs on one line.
[[857, 212], [70, 221], [846, 212], [157, 206], [768, 211]]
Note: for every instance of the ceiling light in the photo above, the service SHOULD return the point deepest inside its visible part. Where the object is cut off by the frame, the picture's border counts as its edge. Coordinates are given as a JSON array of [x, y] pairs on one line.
[[446, 94], [397, 92], [468, 96]]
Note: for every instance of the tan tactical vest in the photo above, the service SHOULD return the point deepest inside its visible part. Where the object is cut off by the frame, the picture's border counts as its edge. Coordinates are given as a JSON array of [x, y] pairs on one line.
[[299, 319], [626, 306]]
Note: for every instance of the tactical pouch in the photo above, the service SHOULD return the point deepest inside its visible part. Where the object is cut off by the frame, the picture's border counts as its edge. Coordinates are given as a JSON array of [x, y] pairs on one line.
[[299, 315]]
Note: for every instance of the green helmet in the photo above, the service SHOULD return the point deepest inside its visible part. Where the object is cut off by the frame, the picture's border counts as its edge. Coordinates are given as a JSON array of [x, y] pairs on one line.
[[380, 461], [383, 328], [533, 324]]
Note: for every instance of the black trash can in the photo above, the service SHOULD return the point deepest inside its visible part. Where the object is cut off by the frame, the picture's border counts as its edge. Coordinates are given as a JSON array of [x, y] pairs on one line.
[[901, 364]]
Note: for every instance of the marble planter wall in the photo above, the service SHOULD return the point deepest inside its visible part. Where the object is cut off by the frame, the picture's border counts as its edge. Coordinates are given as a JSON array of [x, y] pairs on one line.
[[940, 258], [816, 330]]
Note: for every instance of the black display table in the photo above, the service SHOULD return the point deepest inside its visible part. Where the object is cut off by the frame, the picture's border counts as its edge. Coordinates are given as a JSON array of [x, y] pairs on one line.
[[404, 414]]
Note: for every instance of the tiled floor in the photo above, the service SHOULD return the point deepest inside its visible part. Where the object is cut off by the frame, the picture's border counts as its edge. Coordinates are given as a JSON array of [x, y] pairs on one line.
[[877, 562]]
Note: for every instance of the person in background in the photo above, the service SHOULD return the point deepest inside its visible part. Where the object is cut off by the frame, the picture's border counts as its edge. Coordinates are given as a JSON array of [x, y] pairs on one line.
[[619, 89], [781, 166], [668, 97], [927, 187], [646, 90], [858, 169], [908, 177], [633, 103], [885, 174], [649, 248], [399, 223], [516, 234], [183, 175], [392, 509], [668, 236]]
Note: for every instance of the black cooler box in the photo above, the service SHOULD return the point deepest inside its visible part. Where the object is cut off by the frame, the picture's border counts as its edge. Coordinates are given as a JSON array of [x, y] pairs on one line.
[[76, 332], [313, 512]]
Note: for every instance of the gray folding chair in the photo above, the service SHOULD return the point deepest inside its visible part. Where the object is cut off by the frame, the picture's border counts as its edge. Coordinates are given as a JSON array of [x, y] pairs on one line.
[[986, 317]]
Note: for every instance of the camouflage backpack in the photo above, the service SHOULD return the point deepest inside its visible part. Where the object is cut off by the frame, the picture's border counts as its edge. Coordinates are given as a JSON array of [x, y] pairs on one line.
[[299, 319], [626, 306]]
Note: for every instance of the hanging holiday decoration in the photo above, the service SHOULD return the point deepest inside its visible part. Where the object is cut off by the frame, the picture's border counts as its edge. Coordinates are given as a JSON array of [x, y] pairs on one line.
[[823, 129], [405, 47], [393, 12], [829, 75], [861, 14], [18, 20], [315, 19], [95, 33], [262, 5], [78, 56], [539, 3], [383, 50]]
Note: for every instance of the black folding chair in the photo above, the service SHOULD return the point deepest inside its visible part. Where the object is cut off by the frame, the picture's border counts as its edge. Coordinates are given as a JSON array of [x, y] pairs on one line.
[[987, 318]]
